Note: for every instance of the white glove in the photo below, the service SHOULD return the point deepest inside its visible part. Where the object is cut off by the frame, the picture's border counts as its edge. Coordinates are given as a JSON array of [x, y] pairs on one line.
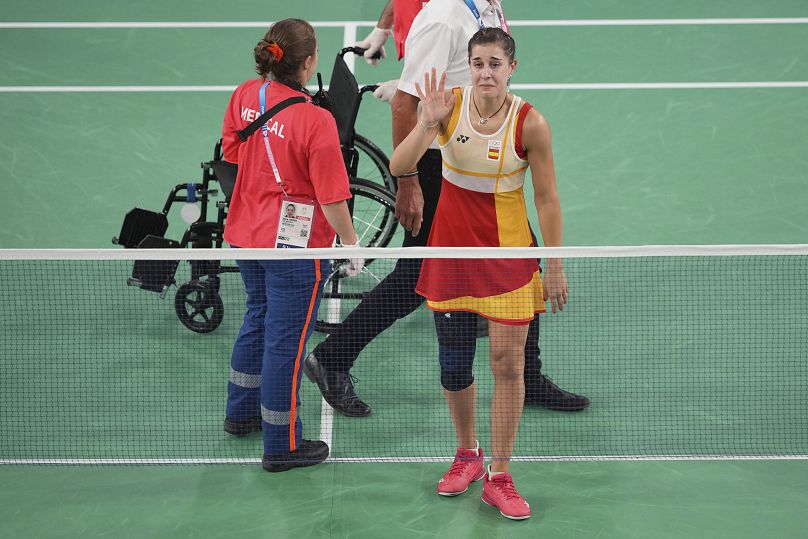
[[374, 43], [352, 266], [386, 90]]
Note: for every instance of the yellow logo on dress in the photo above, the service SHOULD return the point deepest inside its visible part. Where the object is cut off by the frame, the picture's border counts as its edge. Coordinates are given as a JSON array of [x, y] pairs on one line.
[[494, 148]]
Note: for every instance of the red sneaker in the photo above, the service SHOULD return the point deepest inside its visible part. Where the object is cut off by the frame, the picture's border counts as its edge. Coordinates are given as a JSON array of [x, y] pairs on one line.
[[466, 468], [500, 493]]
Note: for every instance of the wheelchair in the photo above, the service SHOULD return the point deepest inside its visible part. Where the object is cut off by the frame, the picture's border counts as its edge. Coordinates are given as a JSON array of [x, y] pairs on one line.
[[197, 302]]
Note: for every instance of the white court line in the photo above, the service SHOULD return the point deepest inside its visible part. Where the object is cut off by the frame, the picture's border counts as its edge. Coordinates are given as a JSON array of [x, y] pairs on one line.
[[122, 88], [404, 460], [337, 24], [326, 422], [516, 86], [660, 85]]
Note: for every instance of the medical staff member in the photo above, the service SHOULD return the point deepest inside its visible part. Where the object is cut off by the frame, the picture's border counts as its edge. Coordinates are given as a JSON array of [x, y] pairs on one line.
[[294, 163]]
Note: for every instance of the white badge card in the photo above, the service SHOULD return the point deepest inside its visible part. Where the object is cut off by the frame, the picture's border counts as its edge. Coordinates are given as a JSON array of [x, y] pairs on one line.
[[294, 225]]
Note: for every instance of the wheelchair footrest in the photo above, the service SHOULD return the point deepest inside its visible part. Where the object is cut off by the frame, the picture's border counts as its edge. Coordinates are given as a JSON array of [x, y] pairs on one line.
[[154, 275]]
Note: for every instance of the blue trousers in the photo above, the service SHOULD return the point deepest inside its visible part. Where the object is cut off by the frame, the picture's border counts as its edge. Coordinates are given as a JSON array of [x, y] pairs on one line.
[[267, 361]]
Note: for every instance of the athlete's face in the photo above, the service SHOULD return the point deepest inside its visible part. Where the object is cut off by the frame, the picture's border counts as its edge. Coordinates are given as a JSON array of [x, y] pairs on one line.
[[490, 69]]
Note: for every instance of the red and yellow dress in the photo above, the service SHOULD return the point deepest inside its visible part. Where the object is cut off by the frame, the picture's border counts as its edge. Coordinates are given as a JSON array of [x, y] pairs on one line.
[[482, 204]]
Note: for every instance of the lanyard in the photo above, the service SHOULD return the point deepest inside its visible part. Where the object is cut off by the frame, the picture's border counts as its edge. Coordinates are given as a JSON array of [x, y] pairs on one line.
[[263, 101], [500, 15]]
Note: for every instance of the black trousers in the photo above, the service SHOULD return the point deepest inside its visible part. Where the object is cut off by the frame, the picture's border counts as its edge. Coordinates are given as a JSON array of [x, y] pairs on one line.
[[394, 297]]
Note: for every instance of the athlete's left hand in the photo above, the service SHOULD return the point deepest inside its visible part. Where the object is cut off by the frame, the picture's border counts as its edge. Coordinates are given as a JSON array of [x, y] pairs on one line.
[[556, 288]]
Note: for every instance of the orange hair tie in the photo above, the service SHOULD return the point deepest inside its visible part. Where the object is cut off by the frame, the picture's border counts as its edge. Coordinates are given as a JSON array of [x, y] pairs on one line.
[[276, 50]]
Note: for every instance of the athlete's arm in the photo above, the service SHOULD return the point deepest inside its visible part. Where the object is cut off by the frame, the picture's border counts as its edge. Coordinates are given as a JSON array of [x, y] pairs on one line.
[[409, 198], [436, 109], [538, 145]]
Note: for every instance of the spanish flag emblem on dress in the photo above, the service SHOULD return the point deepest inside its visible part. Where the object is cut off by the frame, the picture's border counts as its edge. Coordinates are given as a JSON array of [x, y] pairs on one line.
[[494, 147]]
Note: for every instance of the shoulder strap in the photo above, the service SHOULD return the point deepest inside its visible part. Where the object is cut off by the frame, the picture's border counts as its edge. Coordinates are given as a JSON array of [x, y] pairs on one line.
[[245, 133]]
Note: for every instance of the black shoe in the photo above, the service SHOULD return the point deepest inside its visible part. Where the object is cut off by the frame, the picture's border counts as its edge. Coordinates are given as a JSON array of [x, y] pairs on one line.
[[242, 427], [336, 387], [543, 392], [308, 453]]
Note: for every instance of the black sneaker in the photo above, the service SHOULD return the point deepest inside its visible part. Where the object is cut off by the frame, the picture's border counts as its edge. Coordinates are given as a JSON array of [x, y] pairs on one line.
[[543, 392], [242, 427], [308, 453], [336, 387]]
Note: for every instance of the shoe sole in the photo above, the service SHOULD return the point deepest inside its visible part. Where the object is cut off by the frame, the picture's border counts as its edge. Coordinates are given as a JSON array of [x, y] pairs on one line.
[[452, 494], [241, 434], [492, 504], [275, 468], [241, 431], [558, 408], [289, 464]]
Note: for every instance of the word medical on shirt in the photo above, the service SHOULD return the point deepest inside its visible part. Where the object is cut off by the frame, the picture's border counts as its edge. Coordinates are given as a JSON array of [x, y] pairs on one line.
[[250, 115]]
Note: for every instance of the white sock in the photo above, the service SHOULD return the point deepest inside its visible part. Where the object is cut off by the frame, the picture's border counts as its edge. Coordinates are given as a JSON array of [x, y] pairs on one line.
[[491, 474], [476, 449]]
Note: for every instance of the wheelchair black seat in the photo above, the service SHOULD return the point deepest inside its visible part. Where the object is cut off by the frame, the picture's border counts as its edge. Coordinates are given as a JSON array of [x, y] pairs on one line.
[[226, 175], [345, 98]]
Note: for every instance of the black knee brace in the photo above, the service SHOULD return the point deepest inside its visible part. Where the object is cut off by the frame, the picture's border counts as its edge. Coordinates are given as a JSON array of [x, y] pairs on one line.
[[457, 344]]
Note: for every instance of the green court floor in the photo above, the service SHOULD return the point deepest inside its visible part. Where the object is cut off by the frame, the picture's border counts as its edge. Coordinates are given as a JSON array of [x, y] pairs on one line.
[[635, 166], [570, 500]]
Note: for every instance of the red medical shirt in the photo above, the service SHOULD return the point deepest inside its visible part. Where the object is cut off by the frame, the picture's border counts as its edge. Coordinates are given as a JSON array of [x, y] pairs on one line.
[[305, 145]]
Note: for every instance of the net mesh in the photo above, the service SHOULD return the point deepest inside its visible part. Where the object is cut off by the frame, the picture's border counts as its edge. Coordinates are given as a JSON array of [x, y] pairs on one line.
[[681, 356]]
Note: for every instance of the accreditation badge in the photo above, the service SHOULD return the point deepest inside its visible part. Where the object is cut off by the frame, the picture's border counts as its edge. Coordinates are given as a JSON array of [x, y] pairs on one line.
[[294, 223]]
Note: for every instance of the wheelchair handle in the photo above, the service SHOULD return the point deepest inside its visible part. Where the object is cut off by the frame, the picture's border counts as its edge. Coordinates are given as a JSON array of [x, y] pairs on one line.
[[359, 51]]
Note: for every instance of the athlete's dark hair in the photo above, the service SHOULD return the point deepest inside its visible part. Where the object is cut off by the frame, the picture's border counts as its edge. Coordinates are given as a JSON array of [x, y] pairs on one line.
[[281, 53], [498, 36]]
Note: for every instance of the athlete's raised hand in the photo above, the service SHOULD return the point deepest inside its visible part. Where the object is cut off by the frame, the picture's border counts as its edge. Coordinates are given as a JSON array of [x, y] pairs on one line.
[[436, 102]]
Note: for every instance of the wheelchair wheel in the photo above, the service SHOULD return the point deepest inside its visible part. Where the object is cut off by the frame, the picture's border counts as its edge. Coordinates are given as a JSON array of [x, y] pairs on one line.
[[198, 306], [373, 165], [373, 210]]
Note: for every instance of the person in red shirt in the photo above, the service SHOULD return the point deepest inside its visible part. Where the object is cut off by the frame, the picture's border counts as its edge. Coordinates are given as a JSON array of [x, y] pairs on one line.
[[289, 193]]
